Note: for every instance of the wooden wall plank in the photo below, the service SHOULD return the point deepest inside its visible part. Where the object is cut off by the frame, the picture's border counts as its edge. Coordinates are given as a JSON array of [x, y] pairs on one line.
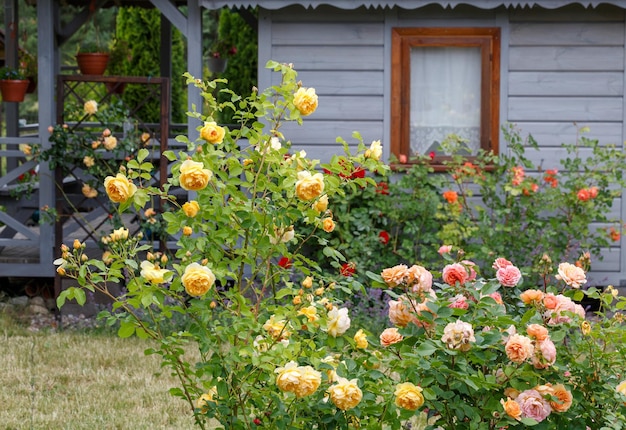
[[567, 34], [340, 82], [566, 83], [579, 58], [549, 134], [575, 109], [573, 13], [368, 58], [327, 34], [325, 133]]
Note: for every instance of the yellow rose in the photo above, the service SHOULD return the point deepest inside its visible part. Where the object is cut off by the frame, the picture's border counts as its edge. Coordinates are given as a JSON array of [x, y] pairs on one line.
[[338, 321], [321, 204], [110, 143], [119, 188], [193, 175], [361, 339], [154, 273], [621, 387], [26, 149], [145, 139], [328, 224], [119, 234], [310, 380], [345, 394], [309, 186], [409, 396], [310, 312], [305, 100], [89, 192], [197, 279], [288, 377], [191, 208], [91, 107], [187, 230], [203, 400], [375, 151], [88, 161], [212, 133], [307, 282], [277, 329]]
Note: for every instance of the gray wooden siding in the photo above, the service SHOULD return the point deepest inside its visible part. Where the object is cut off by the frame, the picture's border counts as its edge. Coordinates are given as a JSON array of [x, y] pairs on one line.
[[566, 71], [561, 70], [341, 55]]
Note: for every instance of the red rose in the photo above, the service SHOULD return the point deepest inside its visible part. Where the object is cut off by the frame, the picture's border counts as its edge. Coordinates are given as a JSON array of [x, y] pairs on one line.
[[359, 172], [383, 236], [284, 262], [348, 269], [382, 188]]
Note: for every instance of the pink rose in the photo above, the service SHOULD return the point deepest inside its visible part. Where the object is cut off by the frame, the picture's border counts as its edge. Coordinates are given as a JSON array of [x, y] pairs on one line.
[[469, 266], [545, 354], [454, 273], [499, 263], [533, 405], [459, 302], [445, 249], [509, 276], [550, 301], [497, 297]]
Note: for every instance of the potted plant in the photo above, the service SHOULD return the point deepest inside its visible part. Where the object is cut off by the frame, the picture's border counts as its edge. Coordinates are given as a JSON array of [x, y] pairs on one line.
[[28, 65], [13, 84], [219, 53], [92, 59]]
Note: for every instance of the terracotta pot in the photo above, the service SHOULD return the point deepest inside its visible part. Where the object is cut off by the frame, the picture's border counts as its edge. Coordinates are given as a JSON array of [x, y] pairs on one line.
[[217, 65], [92, 63], [13, 90]]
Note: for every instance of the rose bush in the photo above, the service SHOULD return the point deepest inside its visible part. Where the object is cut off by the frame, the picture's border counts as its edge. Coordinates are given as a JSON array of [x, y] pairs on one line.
[[259, 334]]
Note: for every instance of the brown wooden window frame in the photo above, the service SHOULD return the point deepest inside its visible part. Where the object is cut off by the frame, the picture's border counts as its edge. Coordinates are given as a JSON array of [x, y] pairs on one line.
[[403, 39]]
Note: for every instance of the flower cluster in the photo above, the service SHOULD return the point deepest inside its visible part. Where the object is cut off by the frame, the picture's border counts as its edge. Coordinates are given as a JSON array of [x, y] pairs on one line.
[[278, 343]]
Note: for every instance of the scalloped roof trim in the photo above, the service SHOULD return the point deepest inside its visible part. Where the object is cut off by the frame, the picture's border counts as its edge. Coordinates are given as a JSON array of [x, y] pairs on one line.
[[405, 4]]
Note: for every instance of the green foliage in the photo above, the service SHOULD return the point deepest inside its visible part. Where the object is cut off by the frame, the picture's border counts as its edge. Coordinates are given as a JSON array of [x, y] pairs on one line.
[[11, 73], [141, 28], [275, 344]]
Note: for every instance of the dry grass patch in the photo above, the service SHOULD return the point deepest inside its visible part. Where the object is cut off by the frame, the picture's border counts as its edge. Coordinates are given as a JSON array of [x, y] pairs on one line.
[[74, 380]]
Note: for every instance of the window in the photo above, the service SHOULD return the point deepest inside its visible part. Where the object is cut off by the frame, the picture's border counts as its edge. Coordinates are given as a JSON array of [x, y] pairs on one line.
[[445, 81]]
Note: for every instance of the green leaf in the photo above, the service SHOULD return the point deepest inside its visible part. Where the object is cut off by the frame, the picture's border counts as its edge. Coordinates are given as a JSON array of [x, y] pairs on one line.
[[142, 154], [426, 348], [80, 296], [126, 329]]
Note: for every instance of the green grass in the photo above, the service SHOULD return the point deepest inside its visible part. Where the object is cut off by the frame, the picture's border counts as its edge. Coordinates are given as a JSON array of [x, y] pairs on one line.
[[81, 380]]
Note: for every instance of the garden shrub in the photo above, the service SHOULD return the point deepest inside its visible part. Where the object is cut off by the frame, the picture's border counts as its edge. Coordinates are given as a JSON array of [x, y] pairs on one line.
[[277, 346]]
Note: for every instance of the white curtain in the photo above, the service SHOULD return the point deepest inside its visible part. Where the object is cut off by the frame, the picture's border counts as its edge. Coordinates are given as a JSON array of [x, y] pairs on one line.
[[445, 96]]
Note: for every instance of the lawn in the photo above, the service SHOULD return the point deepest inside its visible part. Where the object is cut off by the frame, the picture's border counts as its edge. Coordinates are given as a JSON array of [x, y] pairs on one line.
[[80, 380]]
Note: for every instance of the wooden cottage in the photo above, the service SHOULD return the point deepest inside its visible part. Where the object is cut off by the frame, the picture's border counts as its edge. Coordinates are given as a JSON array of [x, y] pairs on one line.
[[549, 66]]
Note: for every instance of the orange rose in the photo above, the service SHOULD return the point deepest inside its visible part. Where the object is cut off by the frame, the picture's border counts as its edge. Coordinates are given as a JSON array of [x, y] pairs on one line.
[[550, 301], [328, 225], [389, 336], [394, 276], [519, 348], [512, 408], [450, 196]]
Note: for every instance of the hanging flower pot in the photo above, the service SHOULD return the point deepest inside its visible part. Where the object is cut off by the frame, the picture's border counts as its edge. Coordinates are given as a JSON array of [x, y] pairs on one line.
[[92, 63], [217, 65], [32, 85], [13, 90]]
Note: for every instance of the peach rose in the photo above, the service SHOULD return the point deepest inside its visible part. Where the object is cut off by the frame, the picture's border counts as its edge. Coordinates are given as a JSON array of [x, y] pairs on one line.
[[519, 348], [544, 355], [110, 143], [511, 408], [89, 192], [191, 208], [305, 100], [401, 311], [532, 296], [500, 263], [309, 186], [394, 276], [454, 273], [550, 301], [88, 161], [564, 398], [572, 275], [119, 188], [197, 279], [193, 176], [345, 394], [419, 278], [508, 276], [621, 387], [539, 332], [389, 336], [444, 249], [212, 133], [409, 396]]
